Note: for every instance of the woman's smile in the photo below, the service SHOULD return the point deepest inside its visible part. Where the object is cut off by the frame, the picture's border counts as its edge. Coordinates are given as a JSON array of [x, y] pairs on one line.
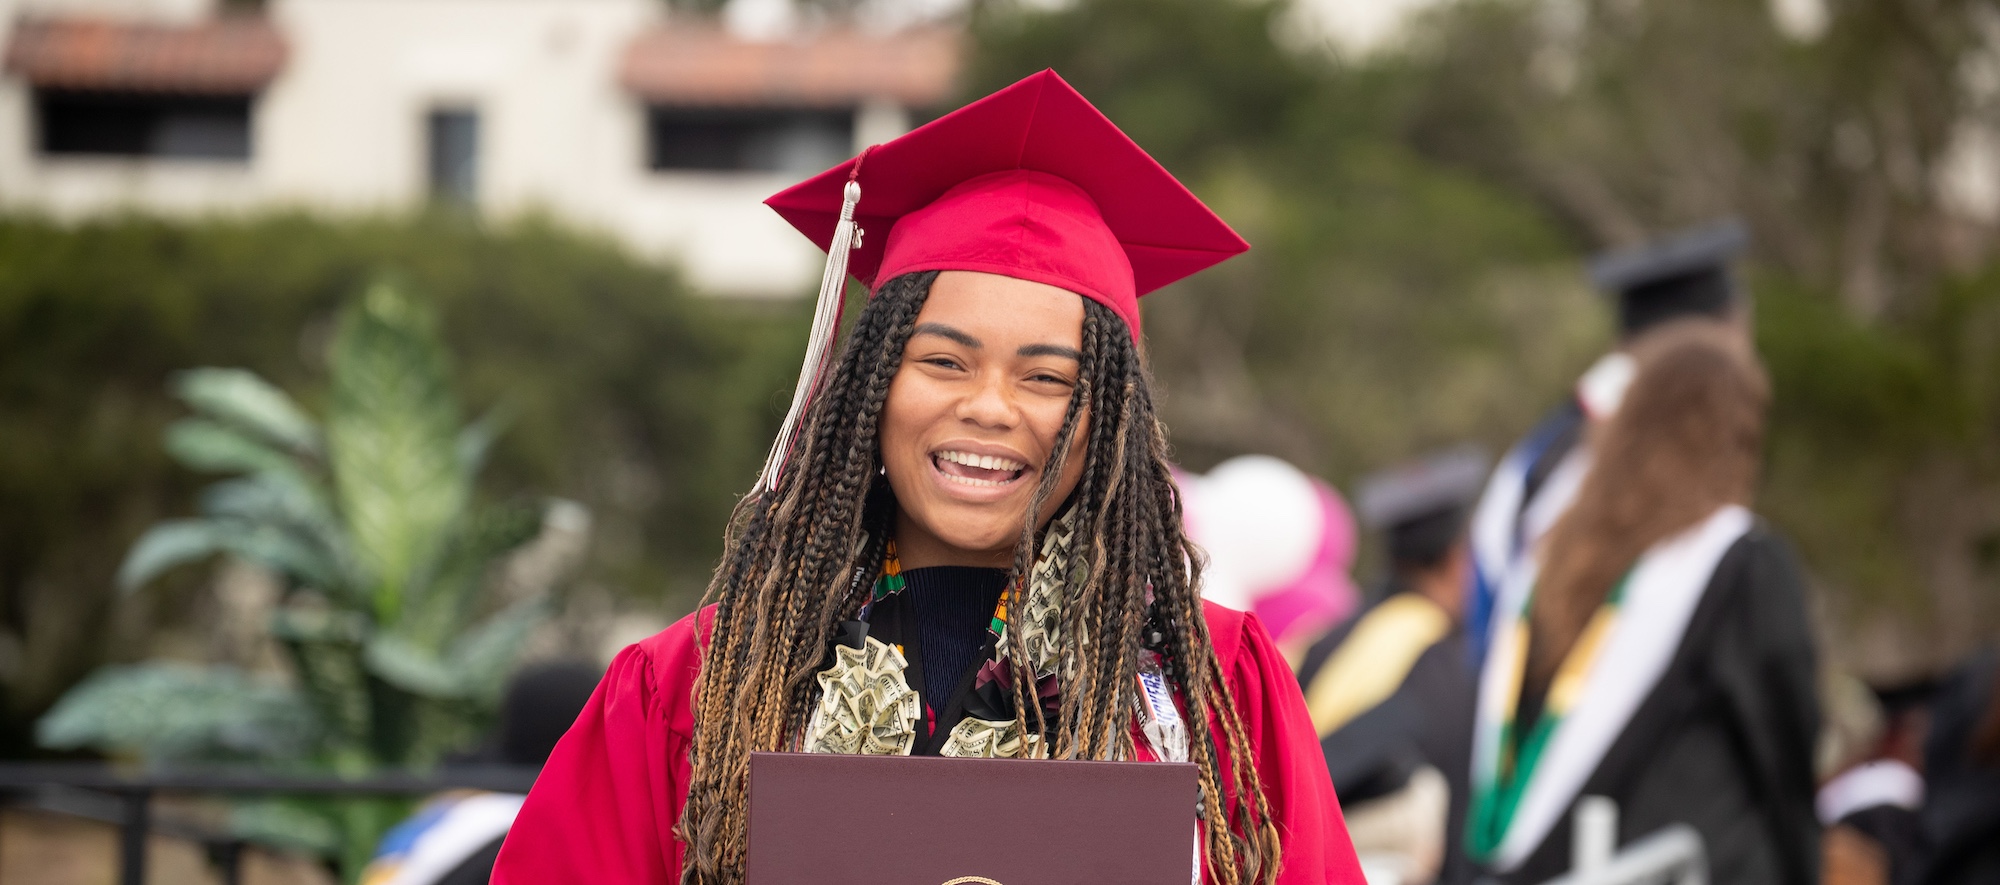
[[963, 465]]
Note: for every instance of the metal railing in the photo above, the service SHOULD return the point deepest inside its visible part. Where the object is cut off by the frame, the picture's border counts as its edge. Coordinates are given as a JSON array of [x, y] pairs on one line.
[[134, 790]]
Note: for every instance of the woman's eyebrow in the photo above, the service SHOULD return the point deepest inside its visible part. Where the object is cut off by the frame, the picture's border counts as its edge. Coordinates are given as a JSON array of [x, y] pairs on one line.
[[943, 331], [1050, 350]]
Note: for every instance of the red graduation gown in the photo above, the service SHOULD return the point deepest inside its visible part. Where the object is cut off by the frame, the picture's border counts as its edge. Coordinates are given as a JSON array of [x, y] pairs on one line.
[[604, 808]]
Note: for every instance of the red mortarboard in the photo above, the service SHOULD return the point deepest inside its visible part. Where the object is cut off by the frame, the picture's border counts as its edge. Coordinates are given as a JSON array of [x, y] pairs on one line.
[[1030, 182]]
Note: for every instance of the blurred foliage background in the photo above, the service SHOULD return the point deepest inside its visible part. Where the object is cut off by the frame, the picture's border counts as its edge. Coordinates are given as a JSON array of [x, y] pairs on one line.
[[616, 388], [1419, 215]]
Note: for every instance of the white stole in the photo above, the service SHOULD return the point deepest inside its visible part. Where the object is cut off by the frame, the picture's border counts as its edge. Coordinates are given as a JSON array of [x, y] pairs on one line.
[[1660, 597]]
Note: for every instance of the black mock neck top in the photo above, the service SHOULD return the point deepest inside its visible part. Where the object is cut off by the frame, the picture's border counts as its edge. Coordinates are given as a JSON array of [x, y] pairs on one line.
[[954, 608]]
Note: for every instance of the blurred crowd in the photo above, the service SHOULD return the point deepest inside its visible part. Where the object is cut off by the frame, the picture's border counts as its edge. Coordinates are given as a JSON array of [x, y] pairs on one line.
[[1604, 614]]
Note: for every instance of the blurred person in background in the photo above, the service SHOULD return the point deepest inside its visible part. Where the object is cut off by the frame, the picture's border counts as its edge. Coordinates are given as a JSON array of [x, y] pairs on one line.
[[1871, 802], [1684, 275], [1390, 691], [1656, 648], [973, 545], [454, 838], [1959, 842]]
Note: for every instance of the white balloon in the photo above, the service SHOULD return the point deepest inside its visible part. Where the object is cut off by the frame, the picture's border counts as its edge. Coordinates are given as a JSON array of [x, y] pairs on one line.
[[1261, 521]]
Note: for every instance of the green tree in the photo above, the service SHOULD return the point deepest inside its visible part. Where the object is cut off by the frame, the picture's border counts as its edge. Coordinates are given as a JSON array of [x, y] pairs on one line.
[[1390, 302]]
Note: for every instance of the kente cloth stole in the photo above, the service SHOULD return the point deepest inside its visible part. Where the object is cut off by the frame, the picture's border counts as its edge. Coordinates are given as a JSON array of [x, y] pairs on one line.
[[1497, 795]]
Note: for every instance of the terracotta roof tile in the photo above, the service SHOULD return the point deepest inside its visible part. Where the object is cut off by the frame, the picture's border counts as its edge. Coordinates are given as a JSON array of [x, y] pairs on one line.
[[230, 55], [703, 66]]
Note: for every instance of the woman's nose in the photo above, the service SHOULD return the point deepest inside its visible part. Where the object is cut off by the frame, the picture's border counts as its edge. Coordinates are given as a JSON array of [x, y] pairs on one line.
[[990, 403]]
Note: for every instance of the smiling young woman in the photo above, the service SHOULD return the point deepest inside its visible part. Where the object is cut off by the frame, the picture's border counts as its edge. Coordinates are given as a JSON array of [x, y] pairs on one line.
[[970, 512]]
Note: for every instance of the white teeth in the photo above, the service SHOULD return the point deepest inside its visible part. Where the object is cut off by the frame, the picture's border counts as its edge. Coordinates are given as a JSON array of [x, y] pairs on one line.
[[983, 462]]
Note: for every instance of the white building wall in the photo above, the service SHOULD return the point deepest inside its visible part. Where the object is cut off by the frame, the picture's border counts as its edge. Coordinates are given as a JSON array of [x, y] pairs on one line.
[[342, 129], [70, 188], [344, 126]]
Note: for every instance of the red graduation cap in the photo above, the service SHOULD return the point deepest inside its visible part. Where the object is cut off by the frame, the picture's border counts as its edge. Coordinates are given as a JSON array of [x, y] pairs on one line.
[[1030, 182]]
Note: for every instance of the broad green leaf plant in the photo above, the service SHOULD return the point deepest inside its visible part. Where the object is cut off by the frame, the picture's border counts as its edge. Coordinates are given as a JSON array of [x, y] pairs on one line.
[[369, 520]]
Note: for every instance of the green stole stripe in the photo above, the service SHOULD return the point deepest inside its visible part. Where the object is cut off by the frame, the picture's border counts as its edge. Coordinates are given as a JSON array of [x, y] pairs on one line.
[[1496, 797]]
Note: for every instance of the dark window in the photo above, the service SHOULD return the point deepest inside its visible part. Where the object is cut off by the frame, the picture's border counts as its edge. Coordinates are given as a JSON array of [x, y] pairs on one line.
[[454, 155], [139, 125], [747, 140]]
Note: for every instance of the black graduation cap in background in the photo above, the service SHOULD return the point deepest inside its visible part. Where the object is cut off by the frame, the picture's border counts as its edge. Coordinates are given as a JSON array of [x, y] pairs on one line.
[[1422, 505], [1686, 273]]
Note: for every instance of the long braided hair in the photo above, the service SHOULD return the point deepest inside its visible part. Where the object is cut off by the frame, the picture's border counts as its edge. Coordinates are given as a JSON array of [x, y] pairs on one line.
[[1687, 439], [801, 557]]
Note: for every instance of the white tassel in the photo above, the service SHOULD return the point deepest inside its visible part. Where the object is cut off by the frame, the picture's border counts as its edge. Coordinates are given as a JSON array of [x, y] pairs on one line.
[[819, 346]]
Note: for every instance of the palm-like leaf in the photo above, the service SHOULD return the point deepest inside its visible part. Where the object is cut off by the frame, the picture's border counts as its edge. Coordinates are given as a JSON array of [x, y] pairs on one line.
[[446, 599], [285, 552], [181, 712], [485, 652], [376, 515], [241, 399], [411, 667], [272, 546], [472, 668], [392, 437], [204, 444], [275, 514], [166, 545], [269, 499], [476, 440], [318, 540], [325, 650]]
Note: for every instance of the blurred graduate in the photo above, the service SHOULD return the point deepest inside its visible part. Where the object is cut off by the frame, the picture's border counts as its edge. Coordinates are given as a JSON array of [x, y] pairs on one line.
[[1959, 823], [454, 838], [1655, 648], [1685, 275], [967, 530], [1391, 690]]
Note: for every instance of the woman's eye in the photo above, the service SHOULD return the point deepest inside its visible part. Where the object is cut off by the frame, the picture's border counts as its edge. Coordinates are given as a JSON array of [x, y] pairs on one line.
[[942, 362], [1051, 379]]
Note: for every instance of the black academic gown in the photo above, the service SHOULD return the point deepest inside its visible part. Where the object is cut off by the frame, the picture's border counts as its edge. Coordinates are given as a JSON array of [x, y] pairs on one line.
[[1724, 741], [1427, 721], [1960, 820]]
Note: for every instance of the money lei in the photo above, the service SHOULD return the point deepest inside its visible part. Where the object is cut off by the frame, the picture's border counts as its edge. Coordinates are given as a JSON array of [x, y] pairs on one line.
[[866, 705]]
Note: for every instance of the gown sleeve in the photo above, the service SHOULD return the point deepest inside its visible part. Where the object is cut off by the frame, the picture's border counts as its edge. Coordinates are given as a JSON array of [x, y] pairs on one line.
[[604, 808], [1765, 668], [1313, 836]]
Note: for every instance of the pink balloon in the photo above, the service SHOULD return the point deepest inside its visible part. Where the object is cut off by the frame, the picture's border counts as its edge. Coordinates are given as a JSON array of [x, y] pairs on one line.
[[1325, 594]]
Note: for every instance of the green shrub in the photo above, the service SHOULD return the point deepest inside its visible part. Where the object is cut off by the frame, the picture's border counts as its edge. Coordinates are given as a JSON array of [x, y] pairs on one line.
[[619, 388]]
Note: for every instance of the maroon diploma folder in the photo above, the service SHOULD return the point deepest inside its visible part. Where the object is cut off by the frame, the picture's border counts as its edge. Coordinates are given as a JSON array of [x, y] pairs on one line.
[[926, 820]]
